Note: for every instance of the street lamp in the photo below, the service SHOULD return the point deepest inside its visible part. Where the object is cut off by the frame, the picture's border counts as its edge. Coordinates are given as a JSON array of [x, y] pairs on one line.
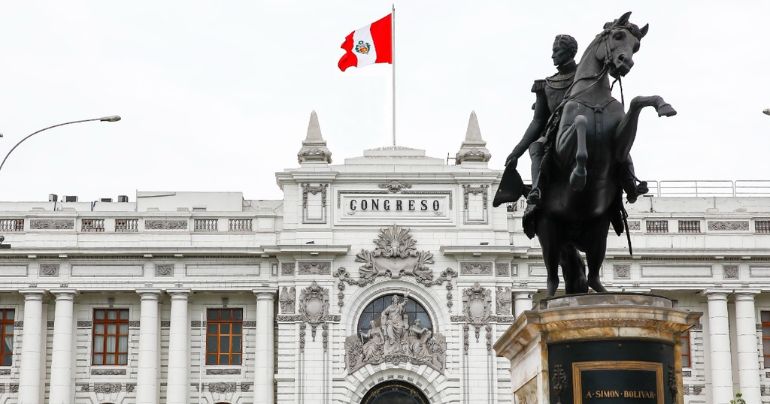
[[111, 118], [767, 111]]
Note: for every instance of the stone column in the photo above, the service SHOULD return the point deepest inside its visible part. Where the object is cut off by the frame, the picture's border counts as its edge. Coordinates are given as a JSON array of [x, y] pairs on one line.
[[30, 372], [149, 336], [522, 301], [61, 391], [719, 344], [178, 342], [748, 354], [264, 356]]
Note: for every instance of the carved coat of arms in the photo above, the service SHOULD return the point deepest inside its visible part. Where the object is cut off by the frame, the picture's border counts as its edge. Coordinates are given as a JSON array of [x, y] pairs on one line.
[[395, 256]]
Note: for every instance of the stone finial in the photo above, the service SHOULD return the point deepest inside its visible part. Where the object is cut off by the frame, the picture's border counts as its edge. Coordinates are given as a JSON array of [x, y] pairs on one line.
[[473, 148], [314, 148]]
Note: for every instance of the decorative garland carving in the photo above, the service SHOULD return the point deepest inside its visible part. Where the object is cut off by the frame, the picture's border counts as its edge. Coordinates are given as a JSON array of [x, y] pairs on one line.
[[49, 270], [314, 189], [107, 388], [223, 387], [164, 270], [314, 268], [313, 310], [477, 308]]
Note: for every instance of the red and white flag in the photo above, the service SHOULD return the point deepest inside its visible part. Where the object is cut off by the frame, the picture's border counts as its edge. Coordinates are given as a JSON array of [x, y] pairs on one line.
[[370, 44]]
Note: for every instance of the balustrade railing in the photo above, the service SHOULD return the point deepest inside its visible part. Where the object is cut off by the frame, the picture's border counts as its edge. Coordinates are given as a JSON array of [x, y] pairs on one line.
[[240, 224], [11, 225], [205, 225], [126, 225], [92, 225]]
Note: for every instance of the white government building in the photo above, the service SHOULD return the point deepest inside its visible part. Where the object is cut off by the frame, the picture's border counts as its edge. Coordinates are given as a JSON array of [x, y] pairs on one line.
[[205, 297]]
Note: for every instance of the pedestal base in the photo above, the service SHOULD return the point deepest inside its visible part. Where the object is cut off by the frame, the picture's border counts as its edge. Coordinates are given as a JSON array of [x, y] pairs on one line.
[[597, 348]]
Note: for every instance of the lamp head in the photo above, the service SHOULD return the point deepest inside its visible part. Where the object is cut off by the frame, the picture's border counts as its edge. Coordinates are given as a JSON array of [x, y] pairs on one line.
[[111, 118], [766, 112]]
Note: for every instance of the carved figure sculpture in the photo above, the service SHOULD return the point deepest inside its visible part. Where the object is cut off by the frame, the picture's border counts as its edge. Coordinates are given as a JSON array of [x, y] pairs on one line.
[[393, 324]]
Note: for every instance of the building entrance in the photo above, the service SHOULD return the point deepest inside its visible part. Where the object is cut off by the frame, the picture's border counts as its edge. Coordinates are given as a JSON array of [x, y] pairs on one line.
[[394, 392]]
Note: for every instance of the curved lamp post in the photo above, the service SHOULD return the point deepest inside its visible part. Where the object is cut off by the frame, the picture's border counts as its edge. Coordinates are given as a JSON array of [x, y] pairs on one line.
[[112, 118]]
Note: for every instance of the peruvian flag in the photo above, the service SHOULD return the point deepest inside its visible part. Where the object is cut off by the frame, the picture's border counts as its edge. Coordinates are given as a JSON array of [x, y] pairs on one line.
[[370, 44]]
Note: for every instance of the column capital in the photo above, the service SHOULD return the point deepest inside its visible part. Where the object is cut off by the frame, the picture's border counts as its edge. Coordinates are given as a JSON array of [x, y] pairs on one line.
[[716, 294], [32, 293], [265, 293], [149, 293], [64, 293], [746, 294], [179, 293]]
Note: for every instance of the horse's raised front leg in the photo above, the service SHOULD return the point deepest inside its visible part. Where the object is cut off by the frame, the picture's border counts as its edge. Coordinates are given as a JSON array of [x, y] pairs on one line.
[[577, 179], [626, 132]]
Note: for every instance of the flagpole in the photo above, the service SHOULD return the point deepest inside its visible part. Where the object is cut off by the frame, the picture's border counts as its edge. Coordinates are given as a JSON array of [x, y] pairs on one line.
[[393, 59]]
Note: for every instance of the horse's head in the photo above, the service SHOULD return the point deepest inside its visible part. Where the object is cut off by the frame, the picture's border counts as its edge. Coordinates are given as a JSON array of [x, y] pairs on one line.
[[621, 41]]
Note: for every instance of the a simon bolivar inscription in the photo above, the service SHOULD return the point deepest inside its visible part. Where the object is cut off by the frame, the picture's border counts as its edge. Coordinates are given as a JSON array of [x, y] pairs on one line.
[[640, 394], [612, 382]]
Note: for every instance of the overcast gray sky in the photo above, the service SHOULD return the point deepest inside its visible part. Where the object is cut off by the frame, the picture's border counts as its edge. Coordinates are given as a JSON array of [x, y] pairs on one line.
[[215, 96]]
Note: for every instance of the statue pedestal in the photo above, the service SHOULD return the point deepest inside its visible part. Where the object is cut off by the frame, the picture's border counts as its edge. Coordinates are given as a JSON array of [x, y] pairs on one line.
[[597, 348]]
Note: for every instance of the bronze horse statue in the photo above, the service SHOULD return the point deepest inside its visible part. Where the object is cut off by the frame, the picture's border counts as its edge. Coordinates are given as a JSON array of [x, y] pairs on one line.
[[590, 137]]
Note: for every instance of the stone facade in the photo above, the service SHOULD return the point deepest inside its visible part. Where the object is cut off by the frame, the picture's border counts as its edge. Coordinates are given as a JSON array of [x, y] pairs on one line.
[[302, 269]]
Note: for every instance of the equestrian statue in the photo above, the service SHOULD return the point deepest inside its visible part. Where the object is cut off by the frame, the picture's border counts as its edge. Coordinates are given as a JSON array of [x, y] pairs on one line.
[[579, 141]]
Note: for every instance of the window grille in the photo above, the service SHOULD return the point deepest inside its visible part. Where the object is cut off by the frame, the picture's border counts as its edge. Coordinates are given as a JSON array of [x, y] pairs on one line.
[[657, 226], [110, 337], [224, 335], [689, 226], [6, 336]]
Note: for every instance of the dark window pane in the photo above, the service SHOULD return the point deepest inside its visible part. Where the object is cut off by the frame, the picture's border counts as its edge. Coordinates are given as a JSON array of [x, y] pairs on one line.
[[211, 344], [225, 314], [224, 344], [99, 314], [211, 359], [238, 313], [112, 315], [236, 344], [9, 314], [224, 359], [98, 360], [237, 328], [212, 315], [7, 359], [122, 359], [124, 314], [212, 328], [236, 360]]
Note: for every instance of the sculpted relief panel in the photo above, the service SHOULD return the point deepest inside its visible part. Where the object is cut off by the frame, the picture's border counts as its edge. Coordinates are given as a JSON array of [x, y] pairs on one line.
[[401, 332], [395, 256]]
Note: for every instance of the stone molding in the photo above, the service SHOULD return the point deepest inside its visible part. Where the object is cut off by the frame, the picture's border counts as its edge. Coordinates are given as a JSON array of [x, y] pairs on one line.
[[287, 268], [108, 372], [314, 310], [475, 268], [164, 270], [504, 299], [728, 225], [477, 309], [394, 186], [165, 224]]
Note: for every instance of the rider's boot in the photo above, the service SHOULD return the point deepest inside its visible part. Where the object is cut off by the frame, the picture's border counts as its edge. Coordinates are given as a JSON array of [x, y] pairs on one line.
[[536, 156], [629, 182]]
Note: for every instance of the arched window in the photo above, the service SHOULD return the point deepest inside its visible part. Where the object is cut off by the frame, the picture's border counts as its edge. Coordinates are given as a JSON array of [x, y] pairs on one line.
[[394, 392], [413, 310]]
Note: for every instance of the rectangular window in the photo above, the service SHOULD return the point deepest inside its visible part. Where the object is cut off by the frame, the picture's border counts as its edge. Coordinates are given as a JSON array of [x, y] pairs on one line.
[[761, 226], [6, 334], [110, 337], [684, 342], [766, 338], [224, 331]]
